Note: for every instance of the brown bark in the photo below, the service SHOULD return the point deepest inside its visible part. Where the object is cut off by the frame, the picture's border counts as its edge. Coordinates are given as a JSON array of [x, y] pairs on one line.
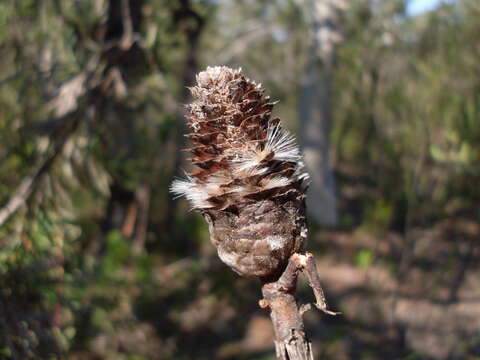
[[142, 196], [291, 342]]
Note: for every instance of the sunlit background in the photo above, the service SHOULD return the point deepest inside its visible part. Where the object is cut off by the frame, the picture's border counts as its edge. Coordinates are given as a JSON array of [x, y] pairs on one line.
[[418, 7]]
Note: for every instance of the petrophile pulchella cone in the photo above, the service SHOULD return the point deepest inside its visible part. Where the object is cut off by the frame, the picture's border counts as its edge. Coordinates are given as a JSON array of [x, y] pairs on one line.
[[250, 184]]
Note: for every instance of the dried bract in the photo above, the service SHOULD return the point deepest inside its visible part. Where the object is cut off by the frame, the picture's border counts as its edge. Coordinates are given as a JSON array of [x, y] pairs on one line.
[[250, 184]]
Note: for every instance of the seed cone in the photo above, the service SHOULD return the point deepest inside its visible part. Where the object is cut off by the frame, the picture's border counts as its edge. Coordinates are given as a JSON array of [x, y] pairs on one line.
[[251, 183]]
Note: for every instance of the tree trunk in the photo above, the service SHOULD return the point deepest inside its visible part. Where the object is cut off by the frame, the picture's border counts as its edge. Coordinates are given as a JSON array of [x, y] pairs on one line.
[[315, 108], [192, 25]]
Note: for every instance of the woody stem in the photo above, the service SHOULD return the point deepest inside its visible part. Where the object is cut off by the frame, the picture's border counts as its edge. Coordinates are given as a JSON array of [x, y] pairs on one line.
[[291, 342]]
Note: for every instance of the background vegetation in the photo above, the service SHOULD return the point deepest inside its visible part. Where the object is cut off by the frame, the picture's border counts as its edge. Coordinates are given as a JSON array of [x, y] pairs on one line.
[[98, 262]]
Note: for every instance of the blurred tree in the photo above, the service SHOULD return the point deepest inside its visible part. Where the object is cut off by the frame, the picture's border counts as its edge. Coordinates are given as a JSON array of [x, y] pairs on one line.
[[315, 106], [96, 261], [96, 74]]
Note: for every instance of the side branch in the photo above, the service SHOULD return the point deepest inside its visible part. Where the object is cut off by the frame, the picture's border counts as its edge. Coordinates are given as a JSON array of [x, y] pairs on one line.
[[67, 110], [28, 184], [314, 280]]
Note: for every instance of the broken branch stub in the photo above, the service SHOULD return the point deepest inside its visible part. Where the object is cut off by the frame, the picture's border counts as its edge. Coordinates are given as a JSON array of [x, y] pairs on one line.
[[279, 297]]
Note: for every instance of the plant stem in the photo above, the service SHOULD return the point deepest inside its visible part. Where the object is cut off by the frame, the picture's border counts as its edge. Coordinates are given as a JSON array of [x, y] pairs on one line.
[[291, 342]]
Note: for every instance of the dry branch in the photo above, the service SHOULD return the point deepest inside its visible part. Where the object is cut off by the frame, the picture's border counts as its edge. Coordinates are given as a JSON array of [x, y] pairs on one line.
[[279, 297], [29, 183], [67, 113]]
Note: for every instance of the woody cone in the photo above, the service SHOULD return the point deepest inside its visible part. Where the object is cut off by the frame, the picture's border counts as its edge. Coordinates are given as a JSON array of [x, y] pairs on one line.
[[251, 183], [250, 187]]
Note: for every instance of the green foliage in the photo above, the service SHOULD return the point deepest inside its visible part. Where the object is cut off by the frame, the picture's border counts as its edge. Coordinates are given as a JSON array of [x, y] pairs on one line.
[[394, 115], [89, 269], [117, 253], [364, 258], [378, 217]]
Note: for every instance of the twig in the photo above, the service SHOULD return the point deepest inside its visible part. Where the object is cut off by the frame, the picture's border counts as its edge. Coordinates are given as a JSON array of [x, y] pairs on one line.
[[142, 197], [127, 37], [67, 111], [314, 281], [28, 184], [10, 78], [291, 342]]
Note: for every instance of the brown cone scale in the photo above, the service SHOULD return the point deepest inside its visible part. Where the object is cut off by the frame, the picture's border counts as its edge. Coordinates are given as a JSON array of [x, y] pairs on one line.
[[250, 183]]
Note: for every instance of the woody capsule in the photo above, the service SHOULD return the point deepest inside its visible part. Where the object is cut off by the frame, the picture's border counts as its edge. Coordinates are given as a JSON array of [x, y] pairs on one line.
[[250, 186], [251, 182]]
